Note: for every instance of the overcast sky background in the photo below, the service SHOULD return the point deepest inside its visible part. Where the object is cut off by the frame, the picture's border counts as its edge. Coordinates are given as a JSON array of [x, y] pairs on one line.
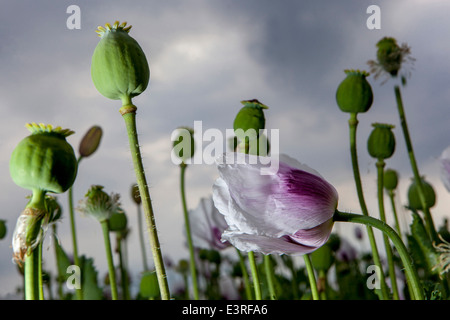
[[205, 57]]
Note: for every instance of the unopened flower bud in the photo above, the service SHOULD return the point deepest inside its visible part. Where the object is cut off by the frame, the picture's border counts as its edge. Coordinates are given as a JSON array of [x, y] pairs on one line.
[[249, 120], [381, 143], [90, 142], [354, 94], [119, 67], [390, 179], [414, 198], [389, 55], [135, 195]]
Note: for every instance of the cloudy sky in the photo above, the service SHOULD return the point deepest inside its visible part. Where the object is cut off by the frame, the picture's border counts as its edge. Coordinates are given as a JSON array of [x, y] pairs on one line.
[[205, 57]]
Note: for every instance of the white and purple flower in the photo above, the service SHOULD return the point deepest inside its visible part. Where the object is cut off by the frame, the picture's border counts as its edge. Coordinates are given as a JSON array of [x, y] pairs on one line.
[[207, 226], [289, 212]]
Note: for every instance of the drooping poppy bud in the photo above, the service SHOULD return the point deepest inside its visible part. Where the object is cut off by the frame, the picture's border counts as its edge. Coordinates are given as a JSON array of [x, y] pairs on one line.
[[413, 195], [381, 142], [135, 195], [354, 94], [90, 142], [119, 67], [249, 120]]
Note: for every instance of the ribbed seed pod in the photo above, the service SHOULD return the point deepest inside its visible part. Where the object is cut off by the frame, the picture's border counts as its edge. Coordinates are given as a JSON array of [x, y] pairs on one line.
[[119, 67], [381, 142], [413, 195], [390, 179], [354, 94], [249, 120], [44, 160]]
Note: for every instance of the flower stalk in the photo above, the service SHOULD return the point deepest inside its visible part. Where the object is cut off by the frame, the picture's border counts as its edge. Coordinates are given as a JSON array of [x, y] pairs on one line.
[[311, 277], [129, 115]]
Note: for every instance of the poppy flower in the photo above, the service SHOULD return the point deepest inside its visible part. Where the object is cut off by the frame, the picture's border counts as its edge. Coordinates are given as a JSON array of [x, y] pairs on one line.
[[288, 212]]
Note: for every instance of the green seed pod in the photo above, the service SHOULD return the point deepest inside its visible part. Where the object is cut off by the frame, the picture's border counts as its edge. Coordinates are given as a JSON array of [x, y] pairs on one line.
[[98, 204], [90, 142], [2, 229], [44, 160], [413, 195], [119, 67], [183, 143], [354, 94], [390, 179], [381, 142], [322, 258], [117, 221], [389, 55], [135, 195], [149, 288], [249, 120]]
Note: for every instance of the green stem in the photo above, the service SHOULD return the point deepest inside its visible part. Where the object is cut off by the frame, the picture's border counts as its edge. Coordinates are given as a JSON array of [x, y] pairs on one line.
[[353, 123], [394, 211], [31, 274], [245, 277], [270, 276], [123, 269], [109, 258], [129, 115], [411, 272], [141, 238], [311, 277], [78, 292], [255, 276], [188, 231], [40, 279], [390, 258], [323, 284], [412, 159]]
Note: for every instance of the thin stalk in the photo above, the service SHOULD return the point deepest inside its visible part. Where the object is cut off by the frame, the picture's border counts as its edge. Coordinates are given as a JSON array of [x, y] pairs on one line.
[[109, 258], [394, 211], [353, 123], [390, 257], [78, 292], [129, 115], [311, 277], [123, 269], [248, 291], [410, 269], [255, 276], [31, 274], [188, 232], [322, 284], [270, 276], [141, 239], [412, 159], [40, 279]]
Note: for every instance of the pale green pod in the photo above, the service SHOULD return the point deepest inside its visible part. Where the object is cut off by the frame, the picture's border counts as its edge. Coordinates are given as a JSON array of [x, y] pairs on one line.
[[44, 160], [119, 67]]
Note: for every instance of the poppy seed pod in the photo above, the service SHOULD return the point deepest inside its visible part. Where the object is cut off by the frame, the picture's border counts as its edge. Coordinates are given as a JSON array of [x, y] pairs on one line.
[[354, 94], [389, 55], [117, 221], [381, 142], [44, 160], [413, 195], [119, 67], [390, 179], [98, 204], [90, 142], [249, 120], [183, 143]]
